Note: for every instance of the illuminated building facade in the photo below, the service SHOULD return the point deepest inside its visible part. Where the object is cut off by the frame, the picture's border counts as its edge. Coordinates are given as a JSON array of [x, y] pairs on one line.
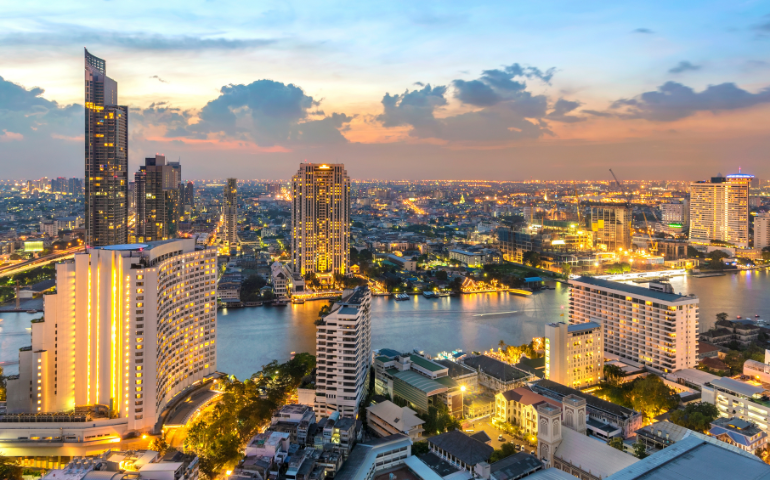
[[611, 225], [762, 230], [320, 221], [719, 210], [106, 158], [157, 185], [639, 325], [230, 212], [129, 327], [574, 354], [344, 354]]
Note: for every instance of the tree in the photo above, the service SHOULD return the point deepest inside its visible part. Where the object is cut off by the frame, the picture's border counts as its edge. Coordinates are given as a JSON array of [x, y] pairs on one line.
[[716, 256], [566, 269], [652, 397], [613, 375], [640, 450], [420, 448], [616, 442], [505, 450], [531, 258], [2, 386], [159, 445], [693, 252], [10, 468], [766, 254], [250, 288], [696, 416], [721, 316], [442, 276]]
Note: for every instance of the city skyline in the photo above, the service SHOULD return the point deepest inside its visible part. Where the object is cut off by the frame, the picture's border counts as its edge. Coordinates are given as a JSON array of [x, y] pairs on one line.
[[654, 92]]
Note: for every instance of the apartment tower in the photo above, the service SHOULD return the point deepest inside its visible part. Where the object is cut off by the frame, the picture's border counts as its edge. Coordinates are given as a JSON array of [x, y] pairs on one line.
[[106, 158], [719, 210], [157, 185], [574, 354], [320, 220], [344, 354], [762, 230], [611, 225], [646, 327], [129, 327], [230, 212]]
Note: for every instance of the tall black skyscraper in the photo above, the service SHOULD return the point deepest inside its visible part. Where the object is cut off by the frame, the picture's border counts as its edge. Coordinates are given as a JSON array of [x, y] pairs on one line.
[[106, 156], [157, 186]]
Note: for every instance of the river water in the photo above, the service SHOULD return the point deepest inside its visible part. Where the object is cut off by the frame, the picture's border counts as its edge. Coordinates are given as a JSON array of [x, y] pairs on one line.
[[252, 337]]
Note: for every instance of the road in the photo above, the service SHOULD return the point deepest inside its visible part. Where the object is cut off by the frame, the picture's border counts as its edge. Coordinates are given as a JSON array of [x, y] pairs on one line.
[[38, 262]]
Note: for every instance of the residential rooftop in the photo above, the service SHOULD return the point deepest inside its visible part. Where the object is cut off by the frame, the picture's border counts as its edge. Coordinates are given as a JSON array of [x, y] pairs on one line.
[[635, 290]]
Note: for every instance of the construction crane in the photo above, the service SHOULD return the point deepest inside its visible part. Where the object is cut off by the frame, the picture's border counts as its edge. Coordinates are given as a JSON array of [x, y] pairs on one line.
[[653, 245]]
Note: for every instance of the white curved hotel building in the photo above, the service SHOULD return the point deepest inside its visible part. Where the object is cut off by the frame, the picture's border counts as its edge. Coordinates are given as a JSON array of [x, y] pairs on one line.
[[129, 327]]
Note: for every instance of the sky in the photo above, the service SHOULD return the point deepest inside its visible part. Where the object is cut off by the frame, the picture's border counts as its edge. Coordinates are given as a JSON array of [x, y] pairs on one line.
[[397, 90]]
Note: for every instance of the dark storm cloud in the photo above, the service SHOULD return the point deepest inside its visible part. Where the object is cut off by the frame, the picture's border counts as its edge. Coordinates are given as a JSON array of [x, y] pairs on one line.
[[265, 112], [77, 35], [25, 112], [684, 66], [673, 101], [645, 31]]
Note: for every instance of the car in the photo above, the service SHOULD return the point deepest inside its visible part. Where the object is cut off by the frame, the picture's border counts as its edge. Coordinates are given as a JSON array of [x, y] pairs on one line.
[[520, 448], [500, 438]]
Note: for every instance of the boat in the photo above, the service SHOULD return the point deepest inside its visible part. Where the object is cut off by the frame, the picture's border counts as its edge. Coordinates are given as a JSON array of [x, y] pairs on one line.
[[429, 294], [400, 297], [755, 316], [443, 294], [298, 301], [31, 311], [280, 303], [738, 317]]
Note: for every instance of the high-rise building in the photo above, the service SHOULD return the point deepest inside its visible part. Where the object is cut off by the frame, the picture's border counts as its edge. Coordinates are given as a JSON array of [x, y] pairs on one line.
[[762, 230], [644, 326], [574, 354], [719, 210], [320, 221], [189, 194], [230, 212], [106, 158], [344, 354], [157, 199], [611, 225], [675, 212], [129, 327]]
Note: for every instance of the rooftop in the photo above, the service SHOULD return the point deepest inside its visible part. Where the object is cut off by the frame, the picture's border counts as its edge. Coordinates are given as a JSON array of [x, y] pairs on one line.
[[422, 383], [736, 386], [456, 369], [423, 362], [592, 455], [581, 327], [516, 466], [592, 402], [466, 449], [634, 290], [696, 459], [496, 368], [525, 396]]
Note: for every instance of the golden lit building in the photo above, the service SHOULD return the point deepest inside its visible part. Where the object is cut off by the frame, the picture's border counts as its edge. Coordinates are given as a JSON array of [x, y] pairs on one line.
[[320, 220], [574, 354], [129, 327], [719, 210], [230, 212], [519, 407]]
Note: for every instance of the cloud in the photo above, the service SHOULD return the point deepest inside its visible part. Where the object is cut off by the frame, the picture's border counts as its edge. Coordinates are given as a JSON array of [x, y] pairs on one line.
[[496, 86], [419, 84], [10, 136], [159, 79], [645, 31], [57, 35], [265, 112], [684, 66], [673, 101], [505, 110], [25, 114], [560, 110]]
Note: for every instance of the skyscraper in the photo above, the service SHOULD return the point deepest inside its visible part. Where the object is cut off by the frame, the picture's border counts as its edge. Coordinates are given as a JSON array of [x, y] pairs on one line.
[[231, 211], [320, 221], [157, 199], [719, 210], [129, 327], [189, 194], [612, 226], [344, 352], [762, 230], [106, 157]]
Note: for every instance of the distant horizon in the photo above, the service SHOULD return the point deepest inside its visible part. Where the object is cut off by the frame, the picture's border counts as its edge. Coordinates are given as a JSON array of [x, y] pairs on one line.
[[394, 91]]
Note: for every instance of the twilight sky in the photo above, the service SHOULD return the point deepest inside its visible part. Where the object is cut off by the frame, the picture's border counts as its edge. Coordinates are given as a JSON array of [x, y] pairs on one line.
[[400, 90]]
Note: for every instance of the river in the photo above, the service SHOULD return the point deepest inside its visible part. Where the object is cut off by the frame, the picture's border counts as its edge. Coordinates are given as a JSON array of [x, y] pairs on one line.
[[251, 337]]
